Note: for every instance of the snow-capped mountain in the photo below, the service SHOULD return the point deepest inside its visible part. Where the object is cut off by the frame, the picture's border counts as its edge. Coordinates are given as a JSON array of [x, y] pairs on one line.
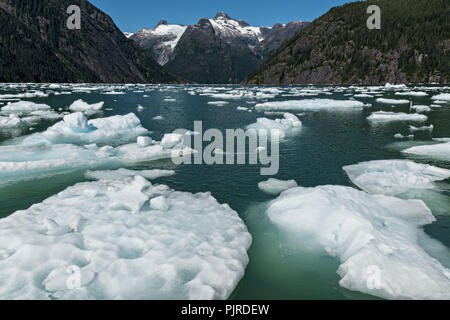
[[161, 40], [196, 50]]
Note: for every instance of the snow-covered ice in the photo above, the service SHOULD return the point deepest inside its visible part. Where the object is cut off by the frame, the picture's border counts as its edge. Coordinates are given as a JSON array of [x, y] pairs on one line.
[[123, 239], [442, 97]]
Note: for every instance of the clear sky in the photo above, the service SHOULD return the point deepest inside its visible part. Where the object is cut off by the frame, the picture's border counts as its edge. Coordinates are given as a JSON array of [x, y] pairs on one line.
[[133, 15]]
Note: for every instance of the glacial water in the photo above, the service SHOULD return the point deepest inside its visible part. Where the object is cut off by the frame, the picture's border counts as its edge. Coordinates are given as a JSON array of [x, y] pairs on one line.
[[329, 140]]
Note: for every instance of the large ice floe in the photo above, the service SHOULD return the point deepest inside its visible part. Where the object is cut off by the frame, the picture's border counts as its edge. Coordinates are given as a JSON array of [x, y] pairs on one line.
[[287, 126], [310, 105], [123, 239], [442, 97], [439, 151], [383, 116], [76, 129], [391, 177], [378, 239]]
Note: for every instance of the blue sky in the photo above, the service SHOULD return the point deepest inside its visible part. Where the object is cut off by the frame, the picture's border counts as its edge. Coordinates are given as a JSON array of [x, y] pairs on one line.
[[133, 15]]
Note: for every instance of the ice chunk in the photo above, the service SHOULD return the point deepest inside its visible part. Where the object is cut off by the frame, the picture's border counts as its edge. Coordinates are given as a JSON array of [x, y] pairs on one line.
[[310, 105], [412, 93], [440, 151], [391, 177], [218, 103], [171, 140], [383, 116], [144, 141], [125, 173], [11, 122], [421, 109], [25, 106], [392, 101], [275, 186], [89, 109], [442, 97], [423, 128], [376, 238], [75, 129], [179, 246], [288, 125]]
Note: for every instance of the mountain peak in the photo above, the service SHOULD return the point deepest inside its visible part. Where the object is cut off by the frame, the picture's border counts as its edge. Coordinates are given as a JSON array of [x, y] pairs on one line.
[[222, 15], [162, 22]]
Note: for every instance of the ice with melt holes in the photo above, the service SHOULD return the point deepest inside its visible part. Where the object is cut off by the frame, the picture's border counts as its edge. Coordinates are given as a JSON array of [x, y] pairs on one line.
[[123, 239]]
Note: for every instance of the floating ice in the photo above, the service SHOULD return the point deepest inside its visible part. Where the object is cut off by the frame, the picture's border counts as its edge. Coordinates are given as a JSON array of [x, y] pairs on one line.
[[89, 109], [123, 239], [395, 86], [11, 122], [391, 177], [440, 151], [288, 125], [218, 103], [421, 109], [383, 116], [392, 101], [423, 128], [412, 93], [311, 105], [25, 106], [442, 97], [275, 186], [377, 239], [122, 173], [76, 129], [401, 136]]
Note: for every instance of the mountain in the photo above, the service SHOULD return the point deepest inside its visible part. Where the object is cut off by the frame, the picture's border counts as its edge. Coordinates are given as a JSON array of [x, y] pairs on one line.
[[160, 41], [219, 50], [37, 46], [412, 46]]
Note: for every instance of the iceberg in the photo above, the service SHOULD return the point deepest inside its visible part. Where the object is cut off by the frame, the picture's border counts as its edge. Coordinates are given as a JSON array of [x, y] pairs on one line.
[[310, 105], [275, 186], [89, 109], [377, 239], [123, 239], [287, 126], [392, 177]]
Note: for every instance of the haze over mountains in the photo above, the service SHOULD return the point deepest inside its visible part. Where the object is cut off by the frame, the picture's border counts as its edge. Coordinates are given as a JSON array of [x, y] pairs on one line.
[[219, 50]]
